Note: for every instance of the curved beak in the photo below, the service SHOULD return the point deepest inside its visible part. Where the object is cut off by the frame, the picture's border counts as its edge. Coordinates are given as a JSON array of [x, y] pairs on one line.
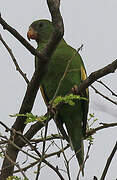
[[31, 34]]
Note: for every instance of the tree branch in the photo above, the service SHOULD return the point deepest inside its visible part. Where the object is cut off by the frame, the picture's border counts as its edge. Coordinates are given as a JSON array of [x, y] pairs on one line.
[[27, 167], [93, 131], [109, 162], [113, 94], [96, 75], [34, 84], [48, 138], [14, 59], [20, 38], [105, 97]]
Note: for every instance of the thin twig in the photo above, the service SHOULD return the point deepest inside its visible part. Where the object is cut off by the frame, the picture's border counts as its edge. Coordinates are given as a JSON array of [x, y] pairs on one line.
[[30, 155], [66, 161], [74, 154], [48, 138], [99, 81], [109, 160], [54, 168], [48, 147], [14, 59], [105, 97], [3, 142], [57, 152], [43, 149], [104, 126], [6, 127], [87, 156], [27, 167]]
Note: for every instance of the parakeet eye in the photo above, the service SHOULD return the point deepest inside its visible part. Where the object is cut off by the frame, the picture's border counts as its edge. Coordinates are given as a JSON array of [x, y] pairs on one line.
[[40, 24]]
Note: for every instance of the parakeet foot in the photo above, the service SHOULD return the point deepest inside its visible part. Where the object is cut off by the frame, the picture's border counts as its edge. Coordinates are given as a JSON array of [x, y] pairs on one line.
[[51, 110], [75, 89]]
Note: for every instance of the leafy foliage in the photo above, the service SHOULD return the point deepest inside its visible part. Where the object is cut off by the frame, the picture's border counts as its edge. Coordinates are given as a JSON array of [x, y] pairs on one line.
[[1, 154], [15, 178], [91, 122], [30, 117], [68, 99], [92, 119]]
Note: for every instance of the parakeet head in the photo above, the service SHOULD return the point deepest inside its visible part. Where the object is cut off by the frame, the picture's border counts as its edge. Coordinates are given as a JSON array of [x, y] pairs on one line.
[[40, 30]]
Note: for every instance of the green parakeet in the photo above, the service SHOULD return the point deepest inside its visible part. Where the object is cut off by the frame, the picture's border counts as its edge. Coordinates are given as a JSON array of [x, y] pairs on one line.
[[74, 117]]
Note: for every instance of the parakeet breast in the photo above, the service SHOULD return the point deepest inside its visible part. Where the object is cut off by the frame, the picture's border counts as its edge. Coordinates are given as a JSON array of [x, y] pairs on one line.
[[64, 69]]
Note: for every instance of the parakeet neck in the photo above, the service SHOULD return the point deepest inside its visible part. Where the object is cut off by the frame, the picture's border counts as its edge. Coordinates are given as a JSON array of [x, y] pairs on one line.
[[41, 45]]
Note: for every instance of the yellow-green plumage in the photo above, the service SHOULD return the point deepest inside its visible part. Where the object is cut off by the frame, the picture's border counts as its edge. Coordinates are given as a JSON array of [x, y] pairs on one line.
[[74, 117]]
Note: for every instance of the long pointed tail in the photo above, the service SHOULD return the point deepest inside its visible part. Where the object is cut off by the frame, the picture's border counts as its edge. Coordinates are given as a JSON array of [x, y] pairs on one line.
[[80, 156], [79, 151]]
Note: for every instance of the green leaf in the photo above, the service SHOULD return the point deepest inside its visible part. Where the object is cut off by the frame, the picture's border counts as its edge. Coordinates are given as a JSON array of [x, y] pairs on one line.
[[15, 178], [30, 117], [68, 99], [16, 115], [90, 139], [1, 155]]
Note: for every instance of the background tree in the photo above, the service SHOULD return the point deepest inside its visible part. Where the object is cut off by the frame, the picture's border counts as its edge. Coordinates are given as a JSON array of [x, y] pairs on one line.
[[12, 148]]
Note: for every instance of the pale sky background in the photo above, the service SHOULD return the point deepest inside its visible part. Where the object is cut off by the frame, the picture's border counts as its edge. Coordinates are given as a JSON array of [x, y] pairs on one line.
[[92, 23]]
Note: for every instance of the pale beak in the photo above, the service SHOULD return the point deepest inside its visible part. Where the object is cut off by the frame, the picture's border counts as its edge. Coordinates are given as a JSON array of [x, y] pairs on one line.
[[31, 34]]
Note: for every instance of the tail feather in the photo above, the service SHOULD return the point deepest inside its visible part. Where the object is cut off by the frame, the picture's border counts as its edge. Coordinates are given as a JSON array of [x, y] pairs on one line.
[[79, 151], [72, 117]]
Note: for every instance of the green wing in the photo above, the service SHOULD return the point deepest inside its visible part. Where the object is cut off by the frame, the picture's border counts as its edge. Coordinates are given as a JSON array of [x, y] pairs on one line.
[[74, 117]]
